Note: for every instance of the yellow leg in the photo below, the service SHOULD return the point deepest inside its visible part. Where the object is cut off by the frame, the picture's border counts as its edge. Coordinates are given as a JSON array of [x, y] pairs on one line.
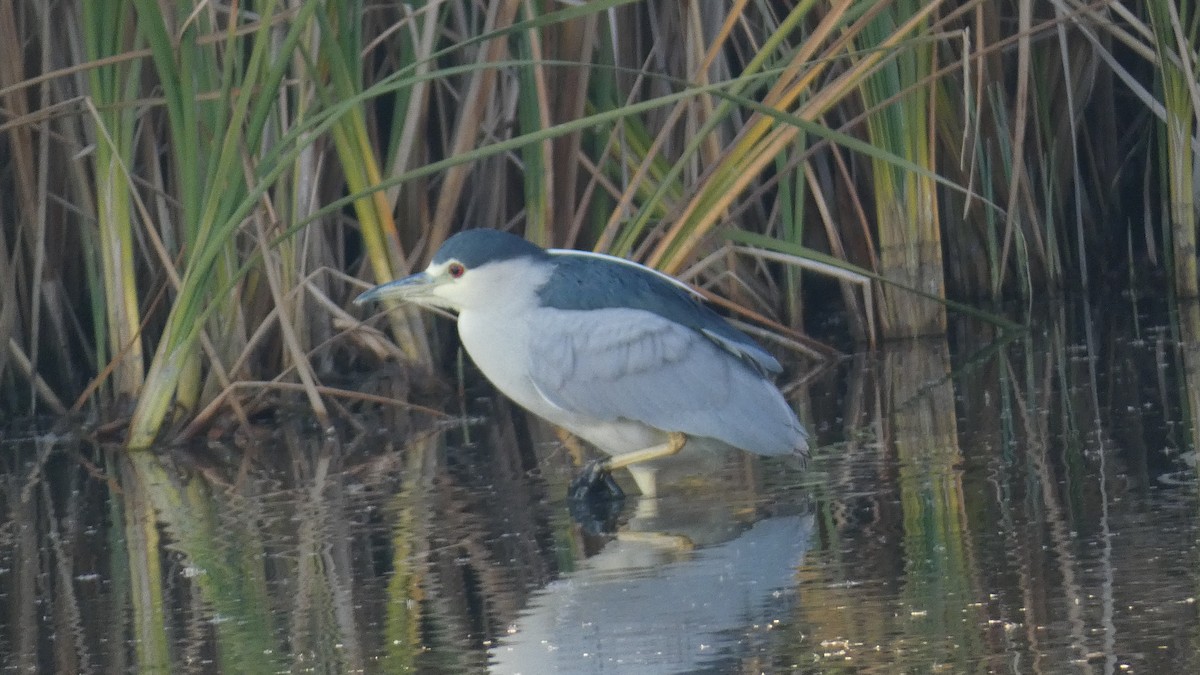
[[669, 542], [675, 442], [597, 476], [571, 443]]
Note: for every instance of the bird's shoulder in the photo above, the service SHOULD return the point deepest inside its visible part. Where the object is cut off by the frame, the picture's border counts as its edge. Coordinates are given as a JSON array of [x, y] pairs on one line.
[[589, 282]]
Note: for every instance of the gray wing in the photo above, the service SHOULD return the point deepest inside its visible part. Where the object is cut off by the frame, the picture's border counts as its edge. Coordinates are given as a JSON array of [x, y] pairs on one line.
[[620, 363]]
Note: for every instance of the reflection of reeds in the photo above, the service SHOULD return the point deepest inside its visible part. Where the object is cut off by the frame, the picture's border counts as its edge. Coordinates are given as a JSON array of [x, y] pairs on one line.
[[474, 570], [999, 536], [223, 554], [316, 555], [143, 560], [22, 544], [402, 632], [966, 519], [1033, 406], [940, 577], [1187, 327]]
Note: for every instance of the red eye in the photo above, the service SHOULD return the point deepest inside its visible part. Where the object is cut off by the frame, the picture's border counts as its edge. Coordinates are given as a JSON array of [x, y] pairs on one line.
[[456, 270]]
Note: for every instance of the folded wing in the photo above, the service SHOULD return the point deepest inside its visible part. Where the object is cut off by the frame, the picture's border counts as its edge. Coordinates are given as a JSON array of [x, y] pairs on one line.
[[621, 363]]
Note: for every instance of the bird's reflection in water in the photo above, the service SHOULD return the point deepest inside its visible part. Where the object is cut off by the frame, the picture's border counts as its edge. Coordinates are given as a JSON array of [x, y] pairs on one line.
[[687, 584]]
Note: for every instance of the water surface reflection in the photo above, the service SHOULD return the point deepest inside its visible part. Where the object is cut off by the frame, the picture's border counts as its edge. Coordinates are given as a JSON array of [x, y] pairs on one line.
[[977, 506], [676, 592]]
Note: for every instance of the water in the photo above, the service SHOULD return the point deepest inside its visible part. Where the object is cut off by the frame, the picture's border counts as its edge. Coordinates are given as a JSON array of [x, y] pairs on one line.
[[977, 505]]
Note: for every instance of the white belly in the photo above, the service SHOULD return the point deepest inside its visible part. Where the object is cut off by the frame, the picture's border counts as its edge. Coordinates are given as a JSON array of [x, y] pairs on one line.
[[500, 350]]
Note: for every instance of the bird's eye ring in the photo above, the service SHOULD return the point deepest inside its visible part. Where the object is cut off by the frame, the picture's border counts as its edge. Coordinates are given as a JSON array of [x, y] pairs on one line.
[[456, 270]]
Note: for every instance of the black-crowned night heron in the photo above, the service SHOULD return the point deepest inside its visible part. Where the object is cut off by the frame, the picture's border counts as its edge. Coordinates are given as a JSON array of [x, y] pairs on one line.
[[616, 353]]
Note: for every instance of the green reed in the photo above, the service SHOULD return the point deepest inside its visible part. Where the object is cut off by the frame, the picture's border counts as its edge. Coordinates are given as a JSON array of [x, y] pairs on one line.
[[233, 176]]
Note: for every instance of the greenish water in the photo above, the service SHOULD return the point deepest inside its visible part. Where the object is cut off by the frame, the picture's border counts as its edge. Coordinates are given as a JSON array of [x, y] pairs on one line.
[[977, 505]]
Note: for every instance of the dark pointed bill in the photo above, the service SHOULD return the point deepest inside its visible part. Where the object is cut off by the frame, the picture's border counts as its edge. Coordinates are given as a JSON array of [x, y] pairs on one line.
[[411, 286]]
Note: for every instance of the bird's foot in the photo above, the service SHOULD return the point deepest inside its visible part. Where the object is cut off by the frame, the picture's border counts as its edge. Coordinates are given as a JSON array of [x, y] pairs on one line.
[[595, 500], [594, 483]]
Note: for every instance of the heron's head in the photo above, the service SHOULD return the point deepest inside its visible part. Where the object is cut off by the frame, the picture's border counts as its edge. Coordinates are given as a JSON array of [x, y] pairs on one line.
[[474, 269]]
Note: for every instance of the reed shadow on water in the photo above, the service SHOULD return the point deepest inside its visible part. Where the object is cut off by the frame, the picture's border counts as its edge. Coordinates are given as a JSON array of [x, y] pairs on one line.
[[974, 503]]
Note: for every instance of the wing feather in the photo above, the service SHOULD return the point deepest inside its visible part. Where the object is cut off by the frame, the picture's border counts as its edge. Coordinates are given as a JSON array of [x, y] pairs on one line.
[[621, 363]]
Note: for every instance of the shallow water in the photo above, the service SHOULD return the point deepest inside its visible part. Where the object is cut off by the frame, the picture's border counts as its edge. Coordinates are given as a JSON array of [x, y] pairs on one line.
[[976, 505]]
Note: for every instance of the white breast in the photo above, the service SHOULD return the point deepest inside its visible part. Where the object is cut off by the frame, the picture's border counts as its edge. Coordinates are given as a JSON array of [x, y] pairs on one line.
[[499, 347]]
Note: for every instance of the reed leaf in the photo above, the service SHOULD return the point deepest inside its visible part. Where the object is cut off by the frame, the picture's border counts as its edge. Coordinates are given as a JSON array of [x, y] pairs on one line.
[[900, 120], [827, 264], [358, 161], [1177, 37], [533, 110], [211, 223], [106, 35]]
